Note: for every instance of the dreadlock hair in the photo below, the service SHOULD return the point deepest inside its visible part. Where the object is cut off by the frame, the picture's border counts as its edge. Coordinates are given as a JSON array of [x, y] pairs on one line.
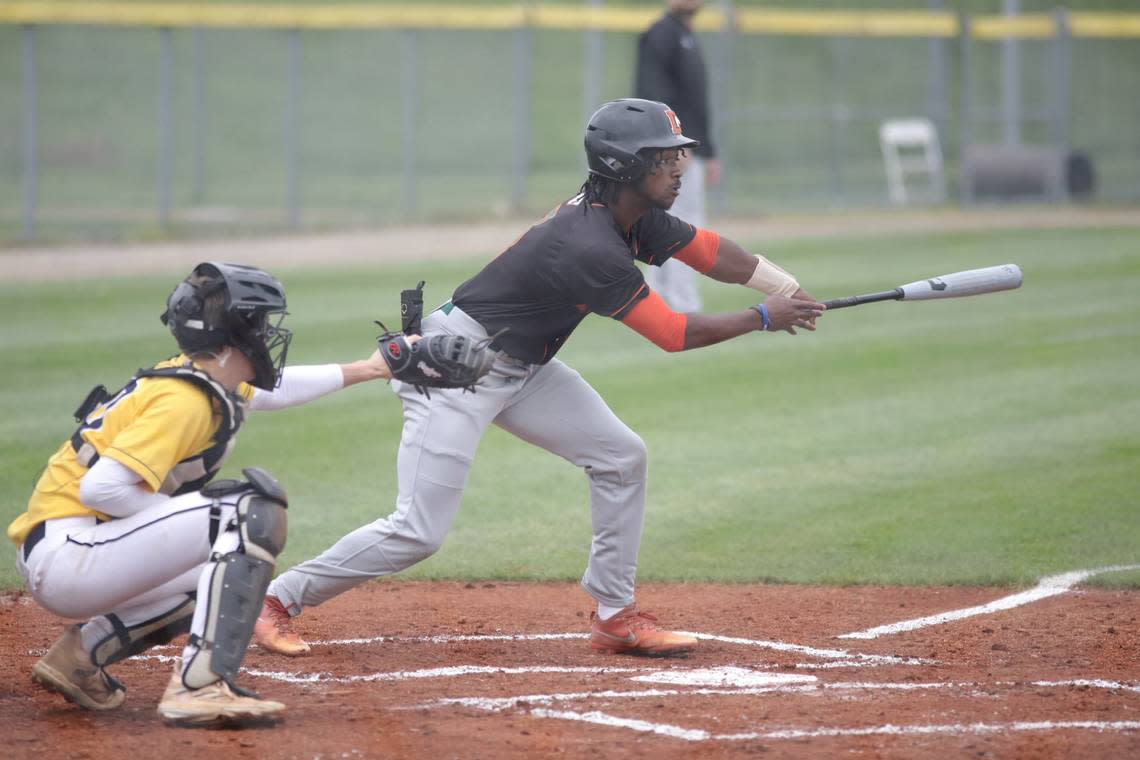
[[599, 189]]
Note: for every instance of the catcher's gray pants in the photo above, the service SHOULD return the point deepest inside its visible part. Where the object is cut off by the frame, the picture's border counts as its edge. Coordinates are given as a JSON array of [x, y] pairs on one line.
[[548, 405]]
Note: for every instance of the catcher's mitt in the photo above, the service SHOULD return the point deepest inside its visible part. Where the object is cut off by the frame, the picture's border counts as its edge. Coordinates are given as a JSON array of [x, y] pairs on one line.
[[436, 361]]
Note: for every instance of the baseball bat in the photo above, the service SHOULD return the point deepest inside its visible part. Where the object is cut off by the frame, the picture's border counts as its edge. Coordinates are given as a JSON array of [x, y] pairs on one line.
[[972, 282]]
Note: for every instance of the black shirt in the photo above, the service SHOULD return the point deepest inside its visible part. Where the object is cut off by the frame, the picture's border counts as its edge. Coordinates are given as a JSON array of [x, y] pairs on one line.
[[574, 262], [670, 69]]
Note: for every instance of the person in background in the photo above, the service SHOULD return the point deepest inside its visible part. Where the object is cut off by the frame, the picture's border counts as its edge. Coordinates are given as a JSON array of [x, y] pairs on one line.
[[671, 69]]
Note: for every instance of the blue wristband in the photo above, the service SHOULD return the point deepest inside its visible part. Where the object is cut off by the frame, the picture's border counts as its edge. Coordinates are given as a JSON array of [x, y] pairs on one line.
[[762, 310]]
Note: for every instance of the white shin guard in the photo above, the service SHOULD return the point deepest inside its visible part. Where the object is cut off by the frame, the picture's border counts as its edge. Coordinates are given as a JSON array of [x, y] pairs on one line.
[[233, 585]]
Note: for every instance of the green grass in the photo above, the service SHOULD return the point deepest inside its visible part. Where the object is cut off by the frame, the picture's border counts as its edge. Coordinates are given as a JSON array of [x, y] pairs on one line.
[[987, 440]]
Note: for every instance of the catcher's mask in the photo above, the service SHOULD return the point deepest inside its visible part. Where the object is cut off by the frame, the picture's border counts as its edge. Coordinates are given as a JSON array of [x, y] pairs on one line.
[[623, 136], [221, 305]]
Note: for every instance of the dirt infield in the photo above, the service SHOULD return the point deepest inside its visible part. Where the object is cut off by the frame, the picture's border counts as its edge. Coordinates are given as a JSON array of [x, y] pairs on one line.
[[444, 241], [441, 670]]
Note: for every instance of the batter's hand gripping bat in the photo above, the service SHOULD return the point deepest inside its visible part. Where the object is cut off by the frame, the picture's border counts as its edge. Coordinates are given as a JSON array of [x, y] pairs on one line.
[[972, 282]]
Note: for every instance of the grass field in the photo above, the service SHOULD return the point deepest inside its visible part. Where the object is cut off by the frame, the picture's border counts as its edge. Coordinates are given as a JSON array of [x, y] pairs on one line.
[[988, 440]]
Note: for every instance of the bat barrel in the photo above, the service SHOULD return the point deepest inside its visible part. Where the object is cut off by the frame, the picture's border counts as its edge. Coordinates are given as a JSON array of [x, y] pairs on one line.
[[972, 282]]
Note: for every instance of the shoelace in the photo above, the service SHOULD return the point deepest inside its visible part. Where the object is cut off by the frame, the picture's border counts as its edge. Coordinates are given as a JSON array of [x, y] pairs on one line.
[[279, 618], [636, 619]]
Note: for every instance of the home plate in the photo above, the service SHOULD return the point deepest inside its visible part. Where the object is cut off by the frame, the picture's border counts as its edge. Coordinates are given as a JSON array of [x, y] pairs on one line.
[[727, 676]]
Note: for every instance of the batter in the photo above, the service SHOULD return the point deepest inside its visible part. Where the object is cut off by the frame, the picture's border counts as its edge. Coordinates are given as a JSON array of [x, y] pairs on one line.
[[580, 260]]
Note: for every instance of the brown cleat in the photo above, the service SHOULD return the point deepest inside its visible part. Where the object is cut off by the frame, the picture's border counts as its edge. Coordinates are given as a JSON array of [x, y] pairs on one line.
[[632, 631], [215, 705], [68, 670], [274, 632]]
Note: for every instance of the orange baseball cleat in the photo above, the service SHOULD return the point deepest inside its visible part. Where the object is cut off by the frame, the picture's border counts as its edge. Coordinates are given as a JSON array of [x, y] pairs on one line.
[[632, 631], [274, 632]]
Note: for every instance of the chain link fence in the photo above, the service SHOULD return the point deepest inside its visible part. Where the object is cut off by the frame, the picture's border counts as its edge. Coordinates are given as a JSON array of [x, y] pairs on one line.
[[212, 124]]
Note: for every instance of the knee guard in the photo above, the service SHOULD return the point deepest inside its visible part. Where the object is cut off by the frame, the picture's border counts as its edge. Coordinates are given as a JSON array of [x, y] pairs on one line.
[[124, 641], [239, 579]]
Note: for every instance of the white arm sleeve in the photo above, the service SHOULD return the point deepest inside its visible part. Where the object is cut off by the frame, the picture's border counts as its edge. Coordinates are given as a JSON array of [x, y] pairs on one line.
[[114, 489], [299, 385]]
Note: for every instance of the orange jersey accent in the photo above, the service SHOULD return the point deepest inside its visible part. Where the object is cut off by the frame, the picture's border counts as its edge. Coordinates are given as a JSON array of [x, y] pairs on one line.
[[653, 318], [701, 251]]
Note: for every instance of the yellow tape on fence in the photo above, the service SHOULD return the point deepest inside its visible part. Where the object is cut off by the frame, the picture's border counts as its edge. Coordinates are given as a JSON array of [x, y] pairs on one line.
[[268, 16], [606, 19], [1044, 26], [557, 16], [1028, 26], [1105, 24], [852, 24]]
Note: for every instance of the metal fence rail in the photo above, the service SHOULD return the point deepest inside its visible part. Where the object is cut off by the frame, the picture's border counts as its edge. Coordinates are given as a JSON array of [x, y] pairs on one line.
[[187, 117]]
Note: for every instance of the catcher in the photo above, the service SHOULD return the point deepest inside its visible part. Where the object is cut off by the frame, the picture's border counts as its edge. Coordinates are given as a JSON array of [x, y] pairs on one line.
[[125, 529]]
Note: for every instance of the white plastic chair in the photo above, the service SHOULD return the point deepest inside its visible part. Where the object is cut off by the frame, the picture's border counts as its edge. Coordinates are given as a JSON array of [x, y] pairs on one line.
[[910, 146]]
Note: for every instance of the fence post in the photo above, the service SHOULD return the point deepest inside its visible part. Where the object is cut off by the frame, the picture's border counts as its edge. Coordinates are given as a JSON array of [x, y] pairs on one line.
[[1062, 77], [592, 52], [165, 124], [965, 98], [523, 64], [1011, 80], [409, 101], [198, 119], [1062, 94], [937, 107], [30, 132], [721, 95], [293, 130], [840, 115]]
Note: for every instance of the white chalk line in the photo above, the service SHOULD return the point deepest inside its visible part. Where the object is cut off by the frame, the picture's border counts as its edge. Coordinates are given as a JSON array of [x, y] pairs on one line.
[[781, 683], [699, 735], [724, 675], [825, 654], [407, 675], [1048, 586], [849, 659], [452, 638], [497, 704], [836, 658], [728, 675], [1092, 682], [951, 729]]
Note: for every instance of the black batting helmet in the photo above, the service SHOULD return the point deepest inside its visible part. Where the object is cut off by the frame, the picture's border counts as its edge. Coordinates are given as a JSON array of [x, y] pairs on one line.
[[221, 305], [619, 132]]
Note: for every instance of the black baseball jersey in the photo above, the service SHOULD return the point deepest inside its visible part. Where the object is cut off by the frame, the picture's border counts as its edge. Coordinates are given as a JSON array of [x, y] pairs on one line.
[[576, 261]]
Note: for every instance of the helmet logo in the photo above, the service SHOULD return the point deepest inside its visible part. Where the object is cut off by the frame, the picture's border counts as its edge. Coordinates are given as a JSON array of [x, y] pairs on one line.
[[674, 122]]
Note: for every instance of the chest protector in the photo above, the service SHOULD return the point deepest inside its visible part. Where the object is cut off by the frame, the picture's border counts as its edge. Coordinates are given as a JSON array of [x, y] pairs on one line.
[[193, 472]]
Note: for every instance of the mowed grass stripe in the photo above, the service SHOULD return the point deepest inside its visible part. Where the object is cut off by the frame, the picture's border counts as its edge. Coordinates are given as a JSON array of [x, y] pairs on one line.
[[983, 440]]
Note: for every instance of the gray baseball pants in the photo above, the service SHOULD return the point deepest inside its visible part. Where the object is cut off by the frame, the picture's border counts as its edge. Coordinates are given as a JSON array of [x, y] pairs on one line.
[[548, 405]]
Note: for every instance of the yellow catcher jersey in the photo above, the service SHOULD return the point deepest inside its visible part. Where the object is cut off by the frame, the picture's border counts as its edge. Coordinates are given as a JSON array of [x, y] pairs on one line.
[[149, 426]]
